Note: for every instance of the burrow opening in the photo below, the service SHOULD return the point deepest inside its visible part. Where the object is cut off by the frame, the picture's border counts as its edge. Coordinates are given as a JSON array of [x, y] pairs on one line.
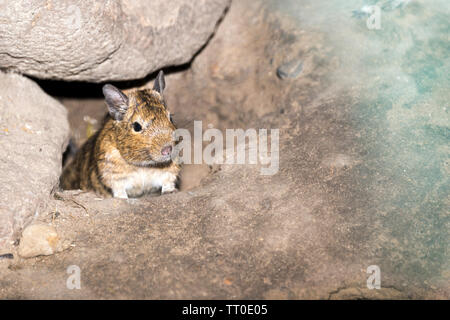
[[86, 109], [226, 85]]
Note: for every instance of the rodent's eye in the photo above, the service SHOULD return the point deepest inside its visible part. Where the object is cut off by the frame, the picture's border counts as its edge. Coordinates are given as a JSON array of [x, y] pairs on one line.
[[137, 126]]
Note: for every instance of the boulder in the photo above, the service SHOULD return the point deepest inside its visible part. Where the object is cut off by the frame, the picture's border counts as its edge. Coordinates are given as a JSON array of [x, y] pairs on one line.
[[33, 133], [103, 40]]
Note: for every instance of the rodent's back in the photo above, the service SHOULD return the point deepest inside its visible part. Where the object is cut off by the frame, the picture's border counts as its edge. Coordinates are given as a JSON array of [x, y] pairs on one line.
[[83, 172]]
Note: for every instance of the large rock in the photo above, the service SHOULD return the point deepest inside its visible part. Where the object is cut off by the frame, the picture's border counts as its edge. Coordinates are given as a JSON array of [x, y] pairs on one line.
[[33, 132], [103, 40]]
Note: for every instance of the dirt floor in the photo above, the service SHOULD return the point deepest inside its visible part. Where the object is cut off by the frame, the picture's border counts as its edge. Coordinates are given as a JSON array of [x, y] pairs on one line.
[[308, 232]]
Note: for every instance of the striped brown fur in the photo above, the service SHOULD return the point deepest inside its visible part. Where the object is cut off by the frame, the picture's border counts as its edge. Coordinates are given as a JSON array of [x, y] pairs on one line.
[[120, 161]]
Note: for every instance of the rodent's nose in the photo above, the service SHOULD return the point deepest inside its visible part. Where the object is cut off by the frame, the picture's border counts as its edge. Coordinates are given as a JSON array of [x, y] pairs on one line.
[[166, 150]]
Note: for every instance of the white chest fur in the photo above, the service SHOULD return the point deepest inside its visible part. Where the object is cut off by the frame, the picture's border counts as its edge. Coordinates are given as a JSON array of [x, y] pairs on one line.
[[138, 181]]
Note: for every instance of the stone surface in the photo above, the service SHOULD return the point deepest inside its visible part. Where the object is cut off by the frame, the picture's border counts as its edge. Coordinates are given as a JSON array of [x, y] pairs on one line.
[[40, 240], [290, 70], [103, 40], [33, 133], [352, 189]]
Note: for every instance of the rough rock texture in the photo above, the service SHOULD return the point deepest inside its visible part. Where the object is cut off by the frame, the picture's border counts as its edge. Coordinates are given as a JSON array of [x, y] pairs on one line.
[[40, 239], [103, 40], [337, 205], [33, 133]]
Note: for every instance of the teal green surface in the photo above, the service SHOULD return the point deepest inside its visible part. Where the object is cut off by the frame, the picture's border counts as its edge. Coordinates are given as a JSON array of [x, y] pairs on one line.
[[402, 75]]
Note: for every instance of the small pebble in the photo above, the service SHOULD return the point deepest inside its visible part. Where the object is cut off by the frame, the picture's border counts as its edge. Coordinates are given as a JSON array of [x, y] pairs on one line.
[[291, 69], [40, 240]]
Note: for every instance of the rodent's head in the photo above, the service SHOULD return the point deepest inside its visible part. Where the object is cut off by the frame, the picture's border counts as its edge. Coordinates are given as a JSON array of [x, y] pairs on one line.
[[143, 128]]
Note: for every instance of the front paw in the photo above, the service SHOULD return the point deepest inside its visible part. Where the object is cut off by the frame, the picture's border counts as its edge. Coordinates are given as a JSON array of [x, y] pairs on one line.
[[170, 188], [120, 194]]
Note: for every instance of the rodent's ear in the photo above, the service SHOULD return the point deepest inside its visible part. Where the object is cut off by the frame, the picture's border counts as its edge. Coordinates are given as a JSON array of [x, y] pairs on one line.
[[160, 83], [116, 101]]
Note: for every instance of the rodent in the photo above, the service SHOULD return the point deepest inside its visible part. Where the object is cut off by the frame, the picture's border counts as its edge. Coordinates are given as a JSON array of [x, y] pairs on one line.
[[131, 154]]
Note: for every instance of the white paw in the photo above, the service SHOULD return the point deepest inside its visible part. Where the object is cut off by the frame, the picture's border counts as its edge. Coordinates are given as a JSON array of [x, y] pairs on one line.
[[167, 188], [120, 194]]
